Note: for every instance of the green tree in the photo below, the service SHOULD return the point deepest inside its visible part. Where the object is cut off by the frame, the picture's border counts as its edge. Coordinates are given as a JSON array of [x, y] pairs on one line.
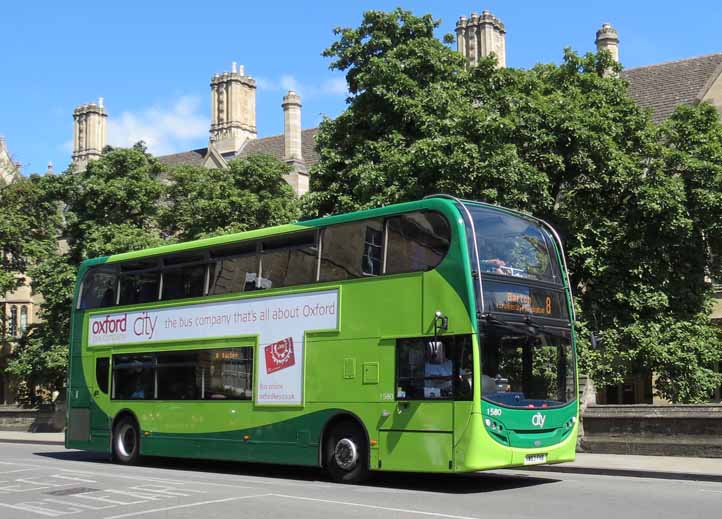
[[564, 142], [40, 358], [29, 230], [114, 204], [250, 194], [29, 224]]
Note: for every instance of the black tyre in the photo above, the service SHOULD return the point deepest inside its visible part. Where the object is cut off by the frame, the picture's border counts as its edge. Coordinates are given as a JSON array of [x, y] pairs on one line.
[[126, 441], [346, 453]]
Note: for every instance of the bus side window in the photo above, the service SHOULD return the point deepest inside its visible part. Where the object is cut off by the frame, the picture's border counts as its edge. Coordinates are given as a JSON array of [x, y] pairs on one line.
[[134, 377], [289, 260], [228, 373], [181, 282], [236, 269], [352, 250], [99, 288], [434, 369], [416, 242], [179, 375], [101, 373]]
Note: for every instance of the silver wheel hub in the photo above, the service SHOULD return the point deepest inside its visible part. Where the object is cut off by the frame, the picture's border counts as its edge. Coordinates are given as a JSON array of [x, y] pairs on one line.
[[345, 454], [125, 442]]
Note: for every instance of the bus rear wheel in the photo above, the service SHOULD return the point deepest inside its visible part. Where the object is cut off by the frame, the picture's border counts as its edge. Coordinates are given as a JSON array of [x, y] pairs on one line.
[[346, 453], [126, 441]]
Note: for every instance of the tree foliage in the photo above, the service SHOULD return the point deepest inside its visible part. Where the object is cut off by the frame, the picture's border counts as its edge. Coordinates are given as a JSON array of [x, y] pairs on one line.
[[637, 207], [122, 202], [250, 194]]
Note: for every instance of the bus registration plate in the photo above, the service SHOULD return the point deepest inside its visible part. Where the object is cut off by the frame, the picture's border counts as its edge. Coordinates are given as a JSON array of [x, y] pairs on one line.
[[535, 459]]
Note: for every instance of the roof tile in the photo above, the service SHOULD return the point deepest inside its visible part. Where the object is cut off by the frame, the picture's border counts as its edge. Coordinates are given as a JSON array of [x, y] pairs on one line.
[[664, 86]]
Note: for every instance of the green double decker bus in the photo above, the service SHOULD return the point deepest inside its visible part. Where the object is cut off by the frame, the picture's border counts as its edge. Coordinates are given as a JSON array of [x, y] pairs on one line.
[[430, 336]]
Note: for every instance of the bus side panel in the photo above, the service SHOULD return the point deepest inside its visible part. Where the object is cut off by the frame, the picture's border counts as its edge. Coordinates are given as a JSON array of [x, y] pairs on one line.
[[417, 451]]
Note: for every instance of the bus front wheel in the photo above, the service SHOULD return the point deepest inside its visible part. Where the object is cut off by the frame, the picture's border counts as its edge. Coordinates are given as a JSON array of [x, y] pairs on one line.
[[126, 441], [346, 453]]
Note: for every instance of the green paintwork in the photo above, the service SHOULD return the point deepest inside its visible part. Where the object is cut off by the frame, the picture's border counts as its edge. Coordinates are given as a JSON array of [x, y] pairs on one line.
[[514, 427], [350, 370]]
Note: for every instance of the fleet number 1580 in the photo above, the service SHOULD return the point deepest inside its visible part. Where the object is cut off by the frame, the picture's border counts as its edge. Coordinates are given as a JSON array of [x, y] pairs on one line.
[[493, 411]]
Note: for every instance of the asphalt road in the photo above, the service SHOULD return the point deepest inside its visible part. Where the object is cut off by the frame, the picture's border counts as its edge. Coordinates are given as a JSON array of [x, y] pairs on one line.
[[46, 481]]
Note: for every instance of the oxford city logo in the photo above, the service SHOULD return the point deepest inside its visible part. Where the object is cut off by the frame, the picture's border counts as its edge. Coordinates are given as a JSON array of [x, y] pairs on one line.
[[279, 355], [538, 420]]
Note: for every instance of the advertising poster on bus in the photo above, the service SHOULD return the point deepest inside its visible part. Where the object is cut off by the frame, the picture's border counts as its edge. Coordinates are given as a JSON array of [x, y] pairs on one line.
[[280, 322]]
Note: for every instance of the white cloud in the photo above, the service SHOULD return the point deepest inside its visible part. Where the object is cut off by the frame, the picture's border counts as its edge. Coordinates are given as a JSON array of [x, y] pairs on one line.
[[334, 87], [164, 128]]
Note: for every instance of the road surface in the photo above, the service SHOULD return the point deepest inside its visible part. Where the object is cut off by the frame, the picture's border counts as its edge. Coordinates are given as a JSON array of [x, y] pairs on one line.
[[39, 481]]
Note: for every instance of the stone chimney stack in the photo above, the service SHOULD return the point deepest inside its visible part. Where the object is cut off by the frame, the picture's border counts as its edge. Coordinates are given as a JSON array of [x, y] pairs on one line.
[[233, 110], [89, 133], [480, 36], [292, 127], [608, 39], [292, 149]]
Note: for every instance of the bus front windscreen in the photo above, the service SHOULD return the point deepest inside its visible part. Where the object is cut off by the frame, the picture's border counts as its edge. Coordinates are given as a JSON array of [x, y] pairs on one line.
[[513, 247], [525, 366]]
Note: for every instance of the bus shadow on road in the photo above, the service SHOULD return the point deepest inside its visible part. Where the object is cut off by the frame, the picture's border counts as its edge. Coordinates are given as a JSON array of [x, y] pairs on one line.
[[477, 482]]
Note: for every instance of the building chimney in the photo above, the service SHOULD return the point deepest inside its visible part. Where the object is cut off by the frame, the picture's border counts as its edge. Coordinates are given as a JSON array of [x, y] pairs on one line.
[[608, 39], [292, 149], [89, 133], [233, 110], [481, 36], [292, 127]]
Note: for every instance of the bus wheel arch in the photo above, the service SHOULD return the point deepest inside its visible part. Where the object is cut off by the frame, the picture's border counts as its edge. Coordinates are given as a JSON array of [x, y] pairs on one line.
[[344, 448], [125, 438]]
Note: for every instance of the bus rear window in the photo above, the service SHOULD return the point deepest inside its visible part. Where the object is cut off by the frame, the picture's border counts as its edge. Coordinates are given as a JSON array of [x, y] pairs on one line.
[[99, 288]]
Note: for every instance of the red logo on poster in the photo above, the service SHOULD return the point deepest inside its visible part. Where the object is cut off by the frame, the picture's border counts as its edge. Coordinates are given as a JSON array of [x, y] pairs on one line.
[[279, 355]]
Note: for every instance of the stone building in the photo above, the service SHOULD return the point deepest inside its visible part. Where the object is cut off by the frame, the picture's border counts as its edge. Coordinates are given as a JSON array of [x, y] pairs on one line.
[[89, 133], [9, 169], [232, 132]]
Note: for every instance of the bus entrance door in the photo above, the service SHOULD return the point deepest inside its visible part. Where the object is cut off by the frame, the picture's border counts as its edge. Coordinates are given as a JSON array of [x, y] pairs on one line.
[[417, 434]]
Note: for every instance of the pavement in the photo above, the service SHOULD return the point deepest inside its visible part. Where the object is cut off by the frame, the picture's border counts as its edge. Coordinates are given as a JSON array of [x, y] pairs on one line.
[[32, 438], [660, 467]]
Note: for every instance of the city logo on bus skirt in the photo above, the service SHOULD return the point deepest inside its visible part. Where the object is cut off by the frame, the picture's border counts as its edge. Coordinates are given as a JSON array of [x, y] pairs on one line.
[[279, 355]]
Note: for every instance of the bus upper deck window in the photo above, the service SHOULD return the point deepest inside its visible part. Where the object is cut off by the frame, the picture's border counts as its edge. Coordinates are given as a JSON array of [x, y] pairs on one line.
[[416, 242], [99, 288], [139, 286], [352, 250], [289, 260]]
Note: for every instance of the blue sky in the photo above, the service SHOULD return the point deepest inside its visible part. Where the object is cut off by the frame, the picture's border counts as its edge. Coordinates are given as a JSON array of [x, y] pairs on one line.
[[152, 61]]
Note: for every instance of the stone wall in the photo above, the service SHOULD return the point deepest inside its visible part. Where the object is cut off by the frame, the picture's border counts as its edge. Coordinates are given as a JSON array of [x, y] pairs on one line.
[[48, 418], [663, 430]]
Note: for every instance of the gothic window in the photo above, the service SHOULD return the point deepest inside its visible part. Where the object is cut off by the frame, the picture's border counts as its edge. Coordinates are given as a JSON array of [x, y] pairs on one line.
[[13, 321], [23, 319]]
